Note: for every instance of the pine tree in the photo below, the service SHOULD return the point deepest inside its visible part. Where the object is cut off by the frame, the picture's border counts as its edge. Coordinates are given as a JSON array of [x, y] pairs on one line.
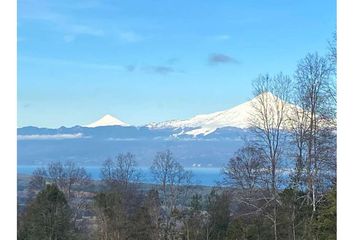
[[141, 225], [325, 224], [219, 210], [47, 217]]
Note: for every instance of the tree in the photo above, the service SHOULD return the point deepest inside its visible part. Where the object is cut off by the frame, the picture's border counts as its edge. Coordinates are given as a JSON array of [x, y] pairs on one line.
[[195, 219], [268, 122], [37, 182], [246, 170], [64, 175], [292, 214], [126, 216], [171, 176], [70, 179], [219, 209], [121, 172], [47, 217], [119, 207], [196, 202], [111, 216], [142, 226], [174, 184], [326, 220], [312, 79], [153, 205], [250, 228], [247, 175]]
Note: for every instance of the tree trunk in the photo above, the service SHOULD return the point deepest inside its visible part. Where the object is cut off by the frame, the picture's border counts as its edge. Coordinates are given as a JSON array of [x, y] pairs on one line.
[[275, 223]]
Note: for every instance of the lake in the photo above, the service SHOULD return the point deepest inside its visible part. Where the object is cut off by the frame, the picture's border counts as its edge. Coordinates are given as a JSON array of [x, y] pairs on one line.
[[201, 176]]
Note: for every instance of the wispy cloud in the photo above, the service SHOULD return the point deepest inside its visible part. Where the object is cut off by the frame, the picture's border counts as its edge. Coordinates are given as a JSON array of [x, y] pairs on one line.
[[122, 139], [51, 137], [163, 70], [75, 30], [84, 29], [66, 24], [103, 66], [152, 69], [218, 58], [172, 61], [130, 68], [130, 37]]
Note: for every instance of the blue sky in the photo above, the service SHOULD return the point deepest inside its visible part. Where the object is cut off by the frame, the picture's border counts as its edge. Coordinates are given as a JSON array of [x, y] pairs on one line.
[[145, 61]]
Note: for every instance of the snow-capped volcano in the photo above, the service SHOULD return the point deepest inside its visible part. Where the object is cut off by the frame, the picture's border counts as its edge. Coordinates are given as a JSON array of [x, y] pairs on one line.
[[107, 120], [238, 116]]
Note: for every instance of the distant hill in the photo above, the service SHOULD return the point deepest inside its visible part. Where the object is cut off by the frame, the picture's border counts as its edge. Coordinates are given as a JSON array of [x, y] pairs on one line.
[[204, 140]]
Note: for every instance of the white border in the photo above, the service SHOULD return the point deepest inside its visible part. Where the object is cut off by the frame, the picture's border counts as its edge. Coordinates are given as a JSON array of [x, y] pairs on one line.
[[8, 118], [8, 121], [345, 205]]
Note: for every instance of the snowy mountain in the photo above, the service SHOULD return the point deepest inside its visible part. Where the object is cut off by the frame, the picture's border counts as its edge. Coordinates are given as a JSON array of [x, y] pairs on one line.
[[204, 140], [107, 120], [204, 124]]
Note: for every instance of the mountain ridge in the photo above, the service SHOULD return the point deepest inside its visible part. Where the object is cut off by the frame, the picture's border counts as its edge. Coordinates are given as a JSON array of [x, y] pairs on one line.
[[238, 116]]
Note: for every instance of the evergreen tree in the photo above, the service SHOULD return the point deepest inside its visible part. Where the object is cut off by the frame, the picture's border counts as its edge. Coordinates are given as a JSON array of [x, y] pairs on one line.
[[141, 225], [325, 224], [196, 202], [219, 210], [153, 206], [111, 215], [47, 217]]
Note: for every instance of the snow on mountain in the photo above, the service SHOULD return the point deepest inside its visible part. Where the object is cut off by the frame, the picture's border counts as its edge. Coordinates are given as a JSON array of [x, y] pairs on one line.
[[107, 120], [238, 116]]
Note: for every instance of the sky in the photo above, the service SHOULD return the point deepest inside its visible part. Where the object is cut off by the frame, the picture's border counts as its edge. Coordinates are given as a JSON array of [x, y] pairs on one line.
[[151, 61]]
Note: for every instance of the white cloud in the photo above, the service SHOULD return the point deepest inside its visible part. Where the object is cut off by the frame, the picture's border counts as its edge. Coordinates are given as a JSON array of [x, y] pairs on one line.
[[130, 37], [50, 137], [84, 29], [63, 23]]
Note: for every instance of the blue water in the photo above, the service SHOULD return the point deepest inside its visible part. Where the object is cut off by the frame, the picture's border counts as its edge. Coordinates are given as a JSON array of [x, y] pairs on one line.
[[201, 176]]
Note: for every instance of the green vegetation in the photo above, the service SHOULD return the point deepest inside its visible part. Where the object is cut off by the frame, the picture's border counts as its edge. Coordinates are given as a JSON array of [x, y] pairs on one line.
[[47, 217]]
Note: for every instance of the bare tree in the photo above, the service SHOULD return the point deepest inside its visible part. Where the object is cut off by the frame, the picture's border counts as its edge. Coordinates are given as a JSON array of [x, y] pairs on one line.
[[67, 175], [313, 94], [121, 172], [117, 206], [246, 170], [268, 123], [175, 185], [152, 203], [298, 123], [249, 176], [38, 180]]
